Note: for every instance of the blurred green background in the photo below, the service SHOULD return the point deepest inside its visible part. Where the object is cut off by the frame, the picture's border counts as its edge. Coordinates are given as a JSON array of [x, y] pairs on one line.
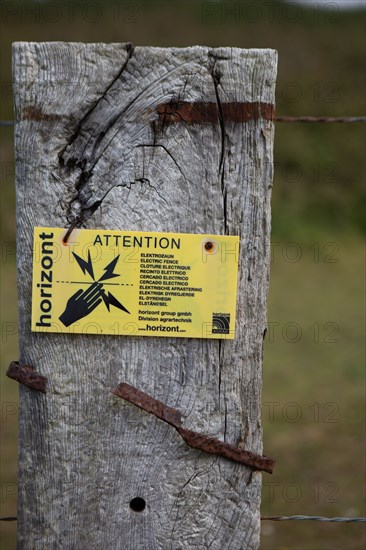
[[313, 390]]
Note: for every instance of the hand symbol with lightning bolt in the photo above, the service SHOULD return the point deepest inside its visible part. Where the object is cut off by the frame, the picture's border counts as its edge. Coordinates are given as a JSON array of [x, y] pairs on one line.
[[82, 303]]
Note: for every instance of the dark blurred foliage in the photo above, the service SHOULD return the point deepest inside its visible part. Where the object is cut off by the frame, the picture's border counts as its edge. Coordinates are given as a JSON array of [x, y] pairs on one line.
[[320, 169]]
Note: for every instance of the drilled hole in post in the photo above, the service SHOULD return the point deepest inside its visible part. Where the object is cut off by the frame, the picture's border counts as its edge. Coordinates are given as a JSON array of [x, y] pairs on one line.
[[209, 246], [137, 504]]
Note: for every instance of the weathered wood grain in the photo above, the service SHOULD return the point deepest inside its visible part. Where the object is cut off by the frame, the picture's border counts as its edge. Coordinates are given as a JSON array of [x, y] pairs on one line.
[[106, 137]]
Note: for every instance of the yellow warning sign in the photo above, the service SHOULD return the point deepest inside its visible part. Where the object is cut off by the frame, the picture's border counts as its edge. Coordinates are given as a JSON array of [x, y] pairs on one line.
[[134, 283]]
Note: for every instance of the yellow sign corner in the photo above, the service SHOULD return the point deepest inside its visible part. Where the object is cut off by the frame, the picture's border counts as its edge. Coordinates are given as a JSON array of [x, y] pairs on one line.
[[134, 283]]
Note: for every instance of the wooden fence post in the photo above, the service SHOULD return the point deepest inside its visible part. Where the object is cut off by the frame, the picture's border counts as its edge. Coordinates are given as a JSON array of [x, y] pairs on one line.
[[108, 136]]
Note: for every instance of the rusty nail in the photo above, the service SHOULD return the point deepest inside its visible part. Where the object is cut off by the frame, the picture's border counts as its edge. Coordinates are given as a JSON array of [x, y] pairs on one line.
[[27, 375], [193, 439], [70, 230]]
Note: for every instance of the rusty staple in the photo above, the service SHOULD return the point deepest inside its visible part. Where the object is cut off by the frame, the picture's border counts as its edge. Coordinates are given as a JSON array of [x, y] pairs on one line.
[[193, 439], [27, 375]]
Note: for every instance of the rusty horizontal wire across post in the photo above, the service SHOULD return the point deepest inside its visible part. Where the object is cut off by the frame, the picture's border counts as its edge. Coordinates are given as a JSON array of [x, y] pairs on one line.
[[322, 119], [277, 518], [313, 518]]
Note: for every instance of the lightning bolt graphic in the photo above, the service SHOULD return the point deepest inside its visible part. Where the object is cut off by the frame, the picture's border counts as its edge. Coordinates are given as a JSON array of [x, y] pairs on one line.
[[85, 266], [110, 300], [109, 270]]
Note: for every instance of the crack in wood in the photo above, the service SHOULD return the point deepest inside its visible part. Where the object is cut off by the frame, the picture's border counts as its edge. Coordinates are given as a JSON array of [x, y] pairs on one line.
[[216, 82], [89, 211], [70, 161], [79, 209], [80, 163], [154, 145]]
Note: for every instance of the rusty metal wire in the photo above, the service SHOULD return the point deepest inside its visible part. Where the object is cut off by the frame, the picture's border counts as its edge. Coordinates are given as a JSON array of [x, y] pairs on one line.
[[322, 119], [313, 518], [278, 518]]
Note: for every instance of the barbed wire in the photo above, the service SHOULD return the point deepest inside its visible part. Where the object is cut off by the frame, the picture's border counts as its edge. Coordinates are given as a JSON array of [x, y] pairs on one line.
[[281, 118], [313, 518], [323, 119]]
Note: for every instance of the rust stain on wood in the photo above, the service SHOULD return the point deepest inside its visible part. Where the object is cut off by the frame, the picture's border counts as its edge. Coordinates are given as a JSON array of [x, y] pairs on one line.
[[27, 375], [200, 112], [35, 113], [193, 439]]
